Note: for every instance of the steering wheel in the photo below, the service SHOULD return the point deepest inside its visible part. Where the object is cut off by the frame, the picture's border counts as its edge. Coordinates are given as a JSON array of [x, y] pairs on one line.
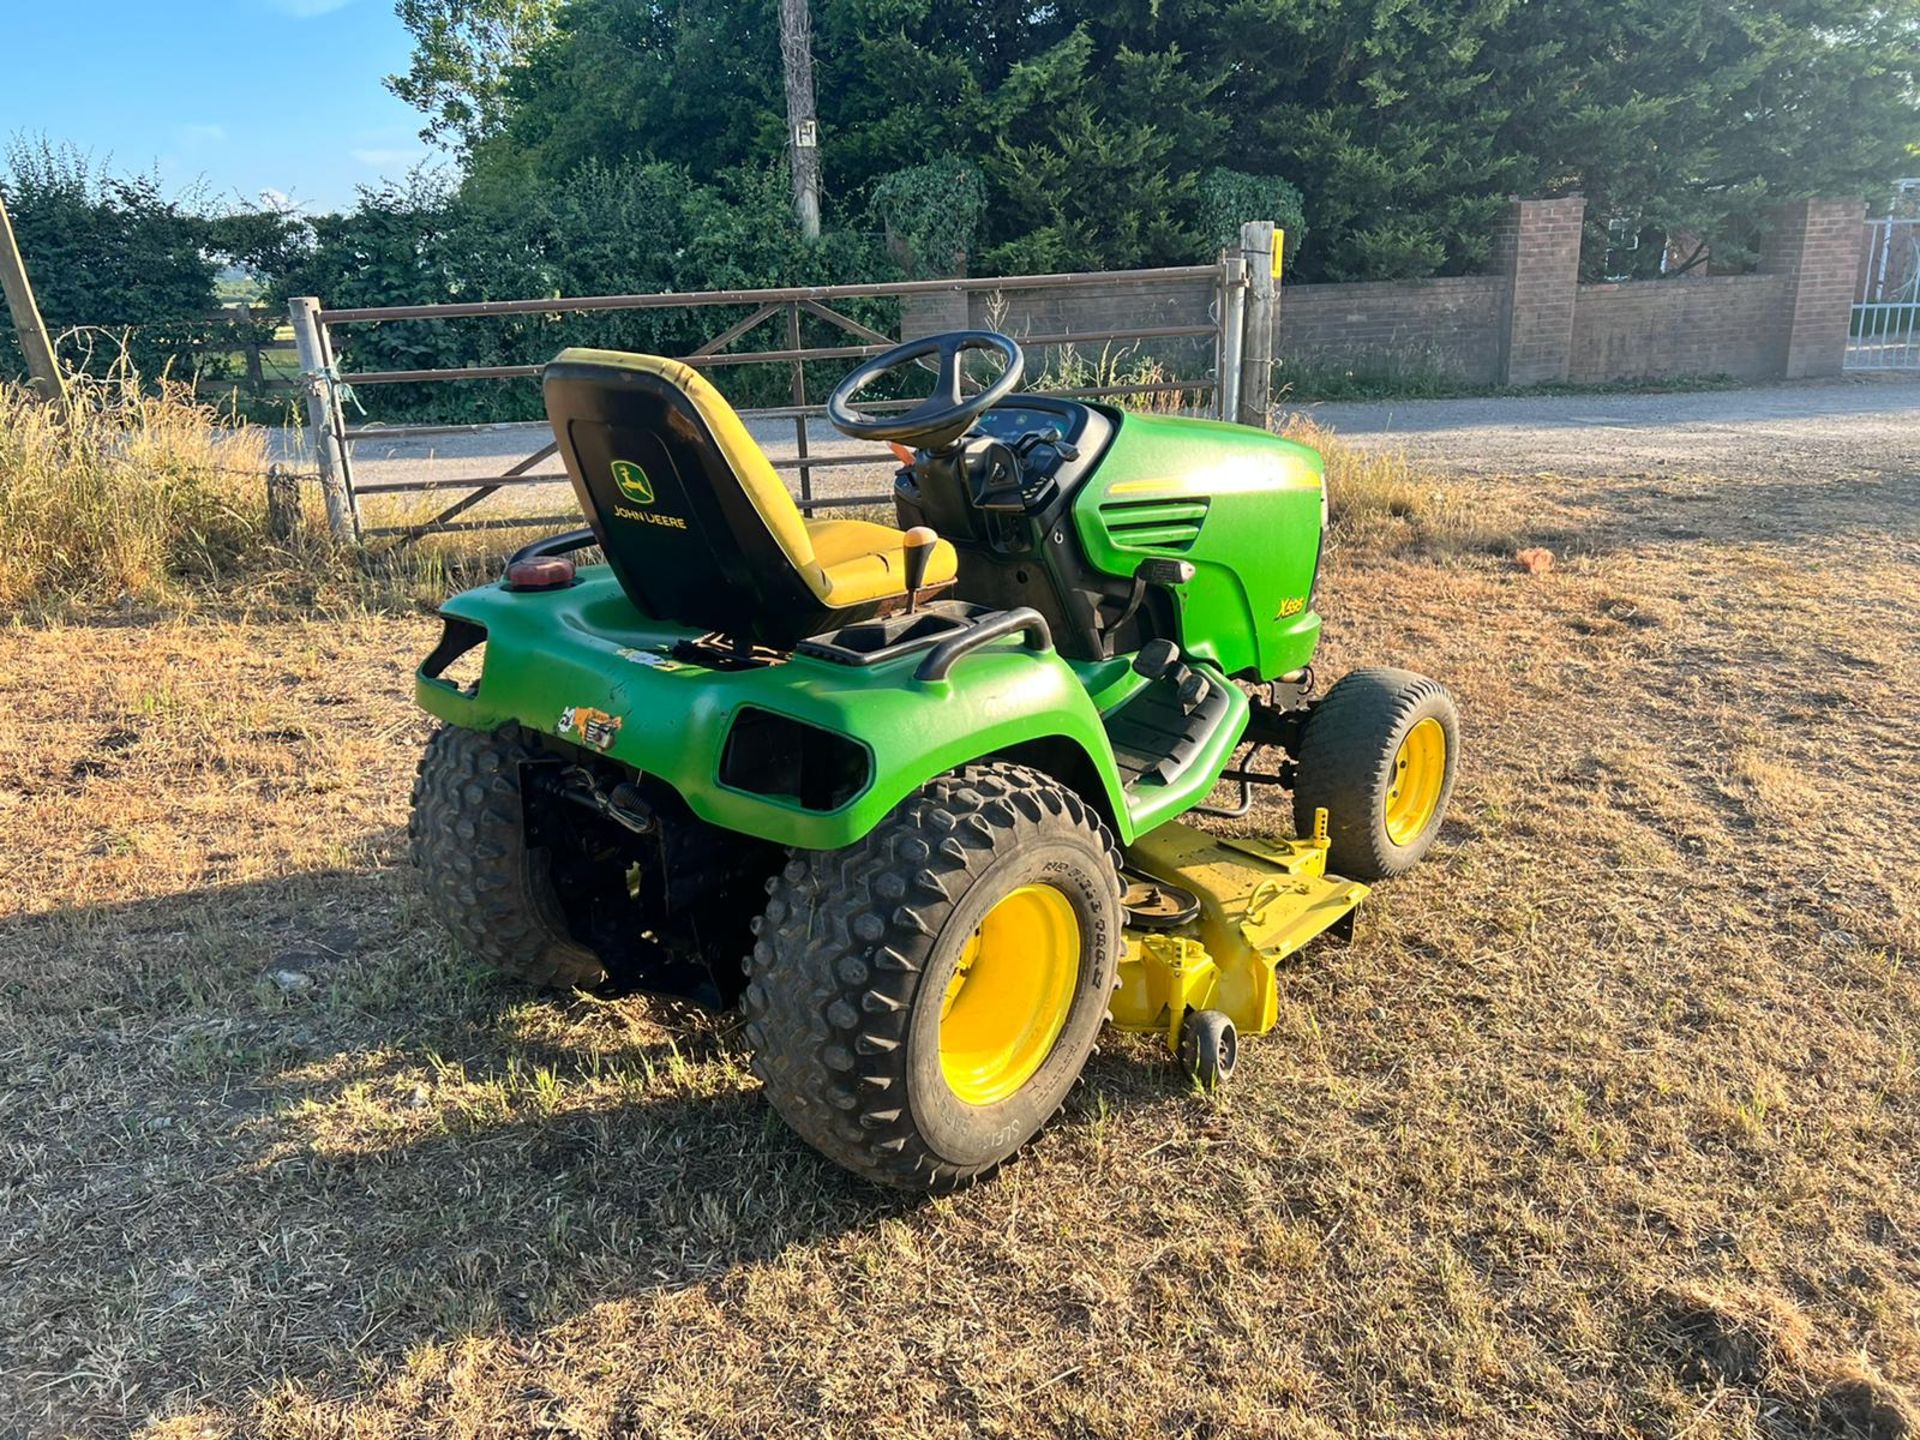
[[945, 415]]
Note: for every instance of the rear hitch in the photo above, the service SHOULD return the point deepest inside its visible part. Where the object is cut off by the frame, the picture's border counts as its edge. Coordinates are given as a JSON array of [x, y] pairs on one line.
[[622, 804]]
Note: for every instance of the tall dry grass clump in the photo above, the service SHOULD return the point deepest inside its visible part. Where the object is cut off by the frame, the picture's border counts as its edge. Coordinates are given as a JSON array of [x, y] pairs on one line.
[[128, 493], [1379, 497], [1363, 485]]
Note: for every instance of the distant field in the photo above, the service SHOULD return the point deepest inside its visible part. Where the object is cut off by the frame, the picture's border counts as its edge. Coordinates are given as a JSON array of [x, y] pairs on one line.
[[1607, 1123]]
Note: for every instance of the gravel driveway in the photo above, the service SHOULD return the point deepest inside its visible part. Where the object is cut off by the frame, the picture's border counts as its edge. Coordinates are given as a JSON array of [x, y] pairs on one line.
[[1859, 423], [1856, 424]]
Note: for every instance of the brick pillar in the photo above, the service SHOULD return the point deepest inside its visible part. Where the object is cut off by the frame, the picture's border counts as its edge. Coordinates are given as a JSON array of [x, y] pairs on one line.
[[1816, 245], [1536, 250]]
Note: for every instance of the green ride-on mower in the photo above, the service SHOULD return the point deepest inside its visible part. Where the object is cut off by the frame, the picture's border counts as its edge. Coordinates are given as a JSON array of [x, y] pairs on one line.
[[912, 798]]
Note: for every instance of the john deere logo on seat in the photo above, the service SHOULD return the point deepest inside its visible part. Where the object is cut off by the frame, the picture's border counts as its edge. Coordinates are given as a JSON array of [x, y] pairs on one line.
[[633, 482]]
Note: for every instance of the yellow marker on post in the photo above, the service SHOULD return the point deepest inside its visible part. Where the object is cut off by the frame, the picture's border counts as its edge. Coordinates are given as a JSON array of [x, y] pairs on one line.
[[1279, 249]]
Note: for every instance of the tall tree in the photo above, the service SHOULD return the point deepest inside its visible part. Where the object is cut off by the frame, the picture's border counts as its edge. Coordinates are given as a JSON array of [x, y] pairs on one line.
[[462, 53], [1689, 119], [1405, 123]]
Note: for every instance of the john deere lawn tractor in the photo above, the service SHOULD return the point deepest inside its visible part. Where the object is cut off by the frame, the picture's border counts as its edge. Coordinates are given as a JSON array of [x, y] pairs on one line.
[[917, 800]]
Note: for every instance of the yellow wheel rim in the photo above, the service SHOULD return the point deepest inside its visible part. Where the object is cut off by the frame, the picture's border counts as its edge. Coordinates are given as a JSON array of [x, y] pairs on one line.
[[1009, 997], [1419, 775]]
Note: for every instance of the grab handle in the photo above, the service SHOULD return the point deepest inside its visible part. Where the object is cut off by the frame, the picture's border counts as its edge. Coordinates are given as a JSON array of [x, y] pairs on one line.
[[1025, 621]]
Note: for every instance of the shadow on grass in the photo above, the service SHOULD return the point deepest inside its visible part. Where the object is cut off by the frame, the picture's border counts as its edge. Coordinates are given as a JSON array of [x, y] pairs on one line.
[[280, 1130]]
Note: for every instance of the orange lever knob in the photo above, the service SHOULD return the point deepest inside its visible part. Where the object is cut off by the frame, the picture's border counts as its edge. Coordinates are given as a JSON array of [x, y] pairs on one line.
[[917, 547]]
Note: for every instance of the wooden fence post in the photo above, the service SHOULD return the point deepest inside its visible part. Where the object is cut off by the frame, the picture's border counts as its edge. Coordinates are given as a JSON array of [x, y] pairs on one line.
[[250, 342], [1233, 306], [27, 324], [1256, 355], [316, 376]]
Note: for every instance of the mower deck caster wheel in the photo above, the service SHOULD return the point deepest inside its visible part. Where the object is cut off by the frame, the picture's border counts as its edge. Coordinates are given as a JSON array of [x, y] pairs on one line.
[[1209, 1047]]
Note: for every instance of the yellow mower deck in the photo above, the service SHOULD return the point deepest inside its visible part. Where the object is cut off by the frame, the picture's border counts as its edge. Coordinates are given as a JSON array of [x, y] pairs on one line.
[[1260, 900]]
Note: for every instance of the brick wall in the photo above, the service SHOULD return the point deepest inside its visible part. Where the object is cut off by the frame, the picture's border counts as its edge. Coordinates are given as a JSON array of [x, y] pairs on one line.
[[1662, 329], [1411, 327], [1092, 308], [1526, 323]]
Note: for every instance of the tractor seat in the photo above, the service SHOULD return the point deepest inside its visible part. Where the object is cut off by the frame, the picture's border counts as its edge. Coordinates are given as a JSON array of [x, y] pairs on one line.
[[695, 523]]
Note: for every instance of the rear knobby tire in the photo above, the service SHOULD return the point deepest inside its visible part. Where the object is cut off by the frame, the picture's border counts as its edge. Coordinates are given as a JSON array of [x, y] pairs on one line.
[[1346, 766], [467, 835], [857, 949]]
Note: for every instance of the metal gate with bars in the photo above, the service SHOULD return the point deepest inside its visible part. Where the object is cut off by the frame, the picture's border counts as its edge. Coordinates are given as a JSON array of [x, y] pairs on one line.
[[1885, 329], [1216, 330]]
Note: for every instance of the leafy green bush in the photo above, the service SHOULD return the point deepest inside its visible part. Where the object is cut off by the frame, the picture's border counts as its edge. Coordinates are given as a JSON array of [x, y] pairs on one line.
[[606, 230], [1230, 198], [113, 252], [1397, 248], [1088, 158], [125, 274], [932, 215]]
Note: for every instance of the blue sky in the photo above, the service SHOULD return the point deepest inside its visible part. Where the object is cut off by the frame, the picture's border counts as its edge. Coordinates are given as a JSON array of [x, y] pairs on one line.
[[247, 95]]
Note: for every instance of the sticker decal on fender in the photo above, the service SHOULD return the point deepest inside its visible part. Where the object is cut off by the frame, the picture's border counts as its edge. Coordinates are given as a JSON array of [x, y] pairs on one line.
[[595, 728], [652, 659]]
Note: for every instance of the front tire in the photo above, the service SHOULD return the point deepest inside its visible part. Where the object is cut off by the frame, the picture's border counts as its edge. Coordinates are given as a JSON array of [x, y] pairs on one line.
[[1378, 755], [921, 1002], [467, 835]]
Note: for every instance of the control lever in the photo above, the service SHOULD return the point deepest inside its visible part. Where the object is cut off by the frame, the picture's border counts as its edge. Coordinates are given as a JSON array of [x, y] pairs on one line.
[[1156, 658], [1031, 441], [995, 468], [916, 548]]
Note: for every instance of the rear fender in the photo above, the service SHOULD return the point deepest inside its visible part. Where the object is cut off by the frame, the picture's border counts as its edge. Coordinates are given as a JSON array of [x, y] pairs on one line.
[[583, 666]]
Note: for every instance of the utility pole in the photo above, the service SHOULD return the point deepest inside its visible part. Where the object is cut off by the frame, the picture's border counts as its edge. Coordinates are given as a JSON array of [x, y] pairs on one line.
[[27, 324], [803, 136]]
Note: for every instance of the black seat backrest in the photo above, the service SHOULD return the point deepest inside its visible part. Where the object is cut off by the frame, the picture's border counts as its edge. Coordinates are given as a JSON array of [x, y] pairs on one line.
[[693, 519]]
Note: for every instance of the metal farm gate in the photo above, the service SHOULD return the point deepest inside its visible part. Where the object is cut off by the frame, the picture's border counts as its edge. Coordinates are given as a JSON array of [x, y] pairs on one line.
[[1210, 302], [1885, 332]]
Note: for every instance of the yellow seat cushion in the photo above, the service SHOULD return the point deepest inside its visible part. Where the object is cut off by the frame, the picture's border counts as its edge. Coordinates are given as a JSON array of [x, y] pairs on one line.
[[844, 562], [861, 561]]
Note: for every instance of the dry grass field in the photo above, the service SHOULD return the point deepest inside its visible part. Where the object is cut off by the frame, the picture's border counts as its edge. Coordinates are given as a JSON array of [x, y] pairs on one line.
[[1608, 1123]]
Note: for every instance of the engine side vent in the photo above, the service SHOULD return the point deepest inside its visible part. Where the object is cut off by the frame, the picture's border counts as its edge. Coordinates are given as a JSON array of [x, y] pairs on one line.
[[1154, 524]]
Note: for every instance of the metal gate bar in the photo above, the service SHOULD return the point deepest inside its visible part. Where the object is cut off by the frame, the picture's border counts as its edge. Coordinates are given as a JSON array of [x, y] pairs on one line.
[[1884, 333], [668, 299], [793, 355]]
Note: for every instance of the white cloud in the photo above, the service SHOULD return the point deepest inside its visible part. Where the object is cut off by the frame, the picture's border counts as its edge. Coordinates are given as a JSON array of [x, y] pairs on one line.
[[308, 9], [377, 159]]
